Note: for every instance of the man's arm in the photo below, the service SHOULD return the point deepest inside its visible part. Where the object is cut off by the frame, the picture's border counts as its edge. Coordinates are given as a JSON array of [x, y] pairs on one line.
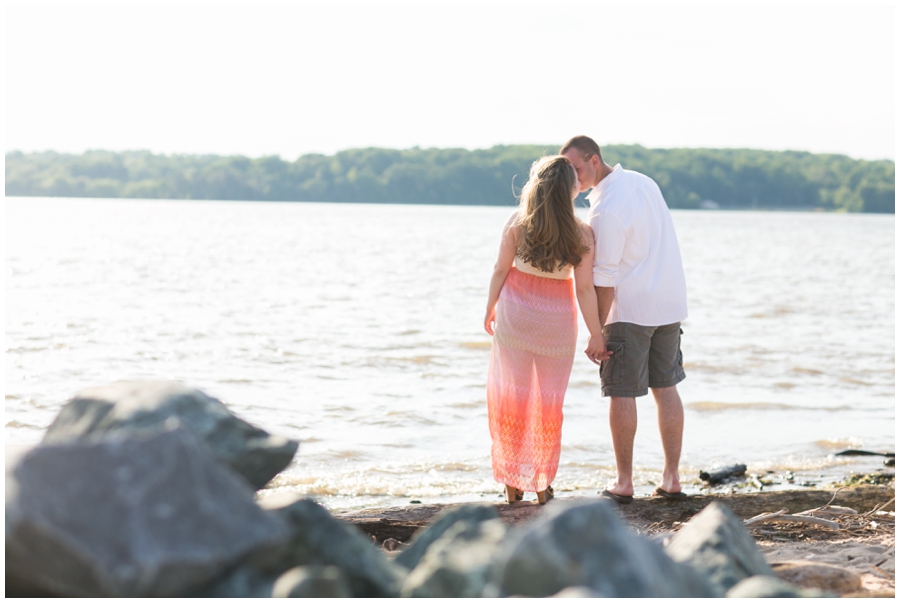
[[609, 245], [605, 296]]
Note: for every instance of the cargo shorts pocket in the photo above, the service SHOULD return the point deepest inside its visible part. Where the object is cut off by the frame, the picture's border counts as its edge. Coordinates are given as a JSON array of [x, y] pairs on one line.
[[613, 371], [680, 358]]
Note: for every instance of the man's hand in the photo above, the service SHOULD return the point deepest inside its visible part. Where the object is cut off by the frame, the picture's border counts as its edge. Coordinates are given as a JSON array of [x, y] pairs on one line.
[[596, 349]]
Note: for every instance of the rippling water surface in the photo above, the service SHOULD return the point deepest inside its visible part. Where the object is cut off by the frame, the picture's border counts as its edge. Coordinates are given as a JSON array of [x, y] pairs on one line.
[[356, 329]]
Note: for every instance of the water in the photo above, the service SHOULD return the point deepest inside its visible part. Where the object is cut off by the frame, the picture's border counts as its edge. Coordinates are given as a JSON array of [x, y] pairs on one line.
[[356, 329]]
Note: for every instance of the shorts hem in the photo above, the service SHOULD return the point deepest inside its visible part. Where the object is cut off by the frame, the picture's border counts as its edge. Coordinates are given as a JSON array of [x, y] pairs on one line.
[[671, 382], [623, 393]]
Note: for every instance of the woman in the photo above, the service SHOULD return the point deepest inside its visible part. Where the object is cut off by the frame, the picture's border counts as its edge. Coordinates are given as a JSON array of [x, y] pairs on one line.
[[531, 314]]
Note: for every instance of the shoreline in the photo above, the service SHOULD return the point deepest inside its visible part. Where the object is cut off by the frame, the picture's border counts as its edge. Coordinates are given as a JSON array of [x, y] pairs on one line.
[[646, 514], [864, 545]]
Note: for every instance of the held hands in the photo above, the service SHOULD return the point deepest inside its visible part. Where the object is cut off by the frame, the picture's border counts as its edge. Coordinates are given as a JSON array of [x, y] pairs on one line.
[[596, 349], [490, 316]]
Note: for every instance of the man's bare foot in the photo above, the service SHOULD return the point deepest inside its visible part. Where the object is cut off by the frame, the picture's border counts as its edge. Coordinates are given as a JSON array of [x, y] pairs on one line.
[[670, 484], [620, 487]]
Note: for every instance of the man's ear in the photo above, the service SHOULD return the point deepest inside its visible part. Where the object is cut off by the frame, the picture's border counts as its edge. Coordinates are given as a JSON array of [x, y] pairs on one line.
[[595, 162]]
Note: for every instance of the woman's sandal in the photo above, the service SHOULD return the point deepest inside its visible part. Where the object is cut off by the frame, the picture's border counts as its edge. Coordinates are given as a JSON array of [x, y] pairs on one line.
[[545, 495], [513, 495]]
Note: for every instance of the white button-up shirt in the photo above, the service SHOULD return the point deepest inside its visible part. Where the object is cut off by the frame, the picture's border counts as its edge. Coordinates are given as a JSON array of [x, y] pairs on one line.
[[636, 250]]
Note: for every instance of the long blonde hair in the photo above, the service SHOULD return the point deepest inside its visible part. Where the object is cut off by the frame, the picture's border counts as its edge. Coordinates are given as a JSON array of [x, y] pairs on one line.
[[549, 236]]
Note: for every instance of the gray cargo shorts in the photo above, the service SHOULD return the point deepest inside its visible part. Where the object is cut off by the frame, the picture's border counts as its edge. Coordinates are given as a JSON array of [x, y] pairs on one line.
[[642, 357]]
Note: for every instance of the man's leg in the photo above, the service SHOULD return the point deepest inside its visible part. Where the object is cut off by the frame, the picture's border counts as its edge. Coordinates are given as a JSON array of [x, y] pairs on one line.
[[623, 425], [671, 427]]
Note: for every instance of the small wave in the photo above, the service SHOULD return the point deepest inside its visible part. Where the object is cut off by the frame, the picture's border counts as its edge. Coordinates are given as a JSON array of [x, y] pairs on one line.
[[774, 312], [476, 345], [343, 455], [419, 359], [839, 443], [807, 371], [785, 385], [410, 332], [800, 464], [584, 383], [402, 417], [235, 380], [714, 368], [722, 406], [340, 409], [853, 381], [467, 405], [22, 425], [25, 349], [380, 361]]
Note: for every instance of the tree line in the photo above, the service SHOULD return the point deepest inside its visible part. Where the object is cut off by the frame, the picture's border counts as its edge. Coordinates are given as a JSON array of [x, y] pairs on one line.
[[731, 178]]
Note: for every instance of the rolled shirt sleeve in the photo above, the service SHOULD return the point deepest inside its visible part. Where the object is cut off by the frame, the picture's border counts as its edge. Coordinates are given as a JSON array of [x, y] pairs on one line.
[[609, 243]]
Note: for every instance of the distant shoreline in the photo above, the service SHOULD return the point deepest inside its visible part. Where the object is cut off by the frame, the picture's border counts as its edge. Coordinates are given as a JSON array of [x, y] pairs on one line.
[[688, 178], [811, 210]]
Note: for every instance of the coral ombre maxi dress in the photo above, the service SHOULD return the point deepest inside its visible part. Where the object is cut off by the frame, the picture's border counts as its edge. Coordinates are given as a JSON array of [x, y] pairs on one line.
[[535, 332]]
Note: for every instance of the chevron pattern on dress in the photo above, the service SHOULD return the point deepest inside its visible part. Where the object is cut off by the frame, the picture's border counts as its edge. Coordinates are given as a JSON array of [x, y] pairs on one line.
[[531, 359]]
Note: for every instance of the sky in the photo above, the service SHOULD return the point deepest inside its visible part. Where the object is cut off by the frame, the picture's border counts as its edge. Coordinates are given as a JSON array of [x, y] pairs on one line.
[[293, 79]]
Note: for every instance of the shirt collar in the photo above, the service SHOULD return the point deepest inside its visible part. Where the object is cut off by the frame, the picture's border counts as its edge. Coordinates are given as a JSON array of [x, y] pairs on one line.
[[594, 195]]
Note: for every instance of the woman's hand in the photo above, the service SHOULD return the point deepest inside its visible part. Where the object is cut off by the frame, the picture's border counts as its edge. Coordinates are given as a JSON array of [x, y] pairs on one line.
[[596, 349], [489, 317]]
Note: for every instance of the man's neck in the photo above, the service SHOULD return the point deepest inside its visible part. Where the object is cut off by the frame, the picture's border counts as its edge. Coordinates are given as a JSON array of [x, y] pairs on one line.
[[603, 172]]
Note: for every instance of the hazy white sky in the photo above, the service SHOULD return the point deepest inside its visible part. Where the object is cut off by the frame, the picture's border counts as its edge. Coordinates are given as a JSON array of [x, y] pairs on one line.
[[291, 80]]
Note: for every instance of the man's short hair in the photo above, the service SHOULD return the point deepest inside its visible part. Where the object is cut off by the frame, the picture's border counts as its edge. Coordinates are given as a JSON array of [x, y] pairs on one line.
[[584, 144]]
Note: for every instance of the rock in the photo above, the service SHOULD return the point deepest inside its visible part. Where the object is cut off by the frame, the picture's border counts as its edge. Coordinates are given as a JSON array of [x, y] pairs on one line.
[[317, 538], [585, 543], [422, 539], [808, 574], [576, 592], [763, 587], [716, 544], [312, 581], [246, 581], [143, 517], [458, 563], [131, 406]]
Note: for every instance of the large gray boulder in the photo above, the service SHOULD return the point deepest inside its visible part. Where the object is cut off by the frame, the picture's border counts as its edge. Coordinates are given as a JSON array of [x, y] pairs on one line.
[[315, 537], [423, 539], [312, 582], [585, 543], [318, 538], [132, 406], [764, 587], [716, 544], [139, 517], [458, 563]]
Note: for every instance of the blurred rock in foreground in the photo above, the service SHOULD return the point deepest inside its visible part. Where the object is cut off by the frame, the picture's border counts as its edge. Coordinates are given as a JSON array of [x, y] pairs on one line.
[[716, 544], [130, 407], [586, 544], [149, 516]]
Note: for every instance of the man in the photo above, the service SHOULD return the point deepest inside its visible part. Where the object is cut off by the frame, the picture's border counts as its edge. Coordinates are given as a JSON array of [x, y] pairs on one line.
[[642, 300]]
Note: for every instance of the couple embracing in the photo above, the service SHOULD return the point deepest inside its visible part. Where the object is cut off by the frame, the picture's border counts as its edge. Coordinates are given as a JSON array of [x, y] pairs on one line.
[[624, 269]]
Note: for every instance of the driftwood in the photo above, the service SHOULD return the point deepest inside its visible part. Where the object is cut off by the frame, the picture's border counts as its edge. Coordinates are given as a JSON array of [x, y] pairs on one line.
[[400, 523], [763, 517], [720, 475], [774, 517], [863, 453]]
